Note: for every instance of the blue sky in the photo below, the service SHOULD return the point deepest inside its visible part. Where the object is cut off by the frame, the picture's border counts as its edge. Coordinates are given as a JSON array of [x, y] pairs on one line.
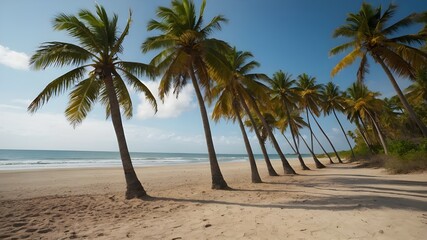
[[292, 35]]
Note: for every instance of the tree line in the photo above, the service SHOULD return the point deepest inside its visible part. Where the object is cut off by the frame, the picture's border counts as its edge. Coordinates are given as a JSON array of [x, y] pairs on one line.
[[226, 78]]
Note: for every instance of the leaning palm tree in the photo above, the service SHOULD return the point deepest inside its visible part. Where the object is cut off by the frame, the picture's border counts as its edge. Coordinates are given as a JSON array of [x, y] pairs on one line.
[[231, 94], [294, 122], [98, 48], [187, 52], [261, 133], [364, 104], [332, 101], [309, 99], [372, 34], [287, 96], [287, 168]]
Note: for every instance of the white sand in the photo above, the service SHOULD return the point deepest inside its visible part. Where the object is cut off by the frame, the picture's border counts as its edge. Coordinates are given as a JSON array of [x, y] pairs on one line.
[[339, 202]]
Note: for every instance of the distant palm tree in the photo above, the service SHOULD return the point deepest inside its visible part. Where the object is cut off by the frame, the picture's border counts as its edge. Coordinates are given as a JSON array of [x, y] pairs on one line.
[[417, 92], [98, 47], [294, 123], [333, 101], [309, 100], [371, 33], [365, 105], [187, 52], [287, 168], [231, 94], [287, 96], [261, 133]]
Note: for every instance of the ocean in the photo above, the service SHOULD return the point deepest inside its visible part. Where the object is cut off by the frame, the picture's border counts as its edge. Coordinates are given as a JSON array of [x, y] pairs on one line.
[[42, 159]]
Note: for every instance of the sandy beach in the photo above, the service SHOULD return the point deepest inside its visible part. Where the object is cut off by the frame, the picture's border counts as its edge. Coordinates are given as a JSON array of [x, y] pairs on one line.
[[339, 202]]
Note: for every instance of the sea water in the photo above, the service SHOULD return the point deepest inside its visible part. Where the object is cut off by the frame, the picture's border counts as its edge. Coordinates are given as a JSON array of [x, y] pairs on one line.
[[40, 159]]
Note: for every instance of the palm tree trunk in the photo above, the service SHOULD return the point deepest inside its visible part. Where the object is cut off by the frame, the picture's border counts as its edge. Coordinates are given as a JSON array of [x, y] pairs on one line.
[[309, 127], [289, 142], [380, 134], [254, 170], [323, 149], [326, 136], [270, 168], [343, 131], [301, 161], [402, 98], [365, 128], [296, 151], [134, 187], [287, 168], [218, 181], [318, 163], [311, 151], [365, 139]]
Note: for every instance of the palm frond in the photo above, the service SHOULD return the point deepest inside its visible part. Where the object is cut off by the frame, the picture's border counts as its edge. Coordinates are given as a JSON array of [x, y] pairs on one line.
[[117, 48], [59, 54], [342, 48], [56, 87], [346, 61], [140, 87], [158, 42], [137, 68], [396, 62], [123, 96], [82, 98], [405, 22], [363, 68], [78, 30]]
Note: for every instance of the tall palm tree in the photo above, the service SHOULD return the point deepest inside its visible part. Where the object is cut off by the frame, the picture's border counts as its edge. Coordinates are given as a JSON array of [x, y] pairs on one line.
[[333, 101], [99, 45], [187, 52], [294, 122], [365, 105], [287, 168], [231, 94], [309, 99], [261, 133], [287, 96], [371, 33]]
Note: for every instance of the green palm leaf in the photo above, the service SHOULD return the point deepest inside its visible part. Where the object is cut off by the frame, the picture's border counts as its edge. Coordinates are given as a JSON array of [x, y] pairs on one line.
[[59, 54], [56, 87], [81, 100]]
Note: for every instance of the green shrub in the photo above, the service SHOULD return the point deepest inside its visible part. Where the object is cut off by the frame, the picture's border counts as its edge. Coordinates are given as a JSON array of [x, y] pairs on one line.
[[410, 162], [402, 147]]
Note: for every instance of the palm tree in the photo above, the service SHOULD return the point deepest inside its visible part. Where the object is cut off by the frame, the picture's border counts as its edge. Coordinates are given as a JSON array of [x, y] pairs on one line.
[[261, 133], [372, 34], [98, 48], [364, 104], [312, 91], [231, 94], [332, 101], [308, 147], [187, 52], [294, 122], [417, 92], [287, 168], [309, 99], [287, 95]]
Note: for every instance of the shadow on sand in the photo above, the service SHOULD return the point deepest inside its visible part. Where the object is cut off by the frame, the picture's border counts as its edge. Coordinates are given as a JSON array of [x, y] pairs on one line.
[[327, 192]]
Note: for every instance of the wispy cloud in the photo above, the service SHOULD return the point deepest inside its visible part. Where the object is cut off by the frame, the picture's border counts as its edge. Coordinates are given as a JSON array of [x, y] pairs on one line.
[[13, 59], [172, 107]]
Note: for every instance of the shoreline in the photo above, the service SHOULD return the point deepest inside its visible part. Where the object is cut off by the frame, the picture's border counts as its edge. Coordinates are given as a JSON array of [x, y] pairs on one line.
[[35, 167], [339, 202]]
